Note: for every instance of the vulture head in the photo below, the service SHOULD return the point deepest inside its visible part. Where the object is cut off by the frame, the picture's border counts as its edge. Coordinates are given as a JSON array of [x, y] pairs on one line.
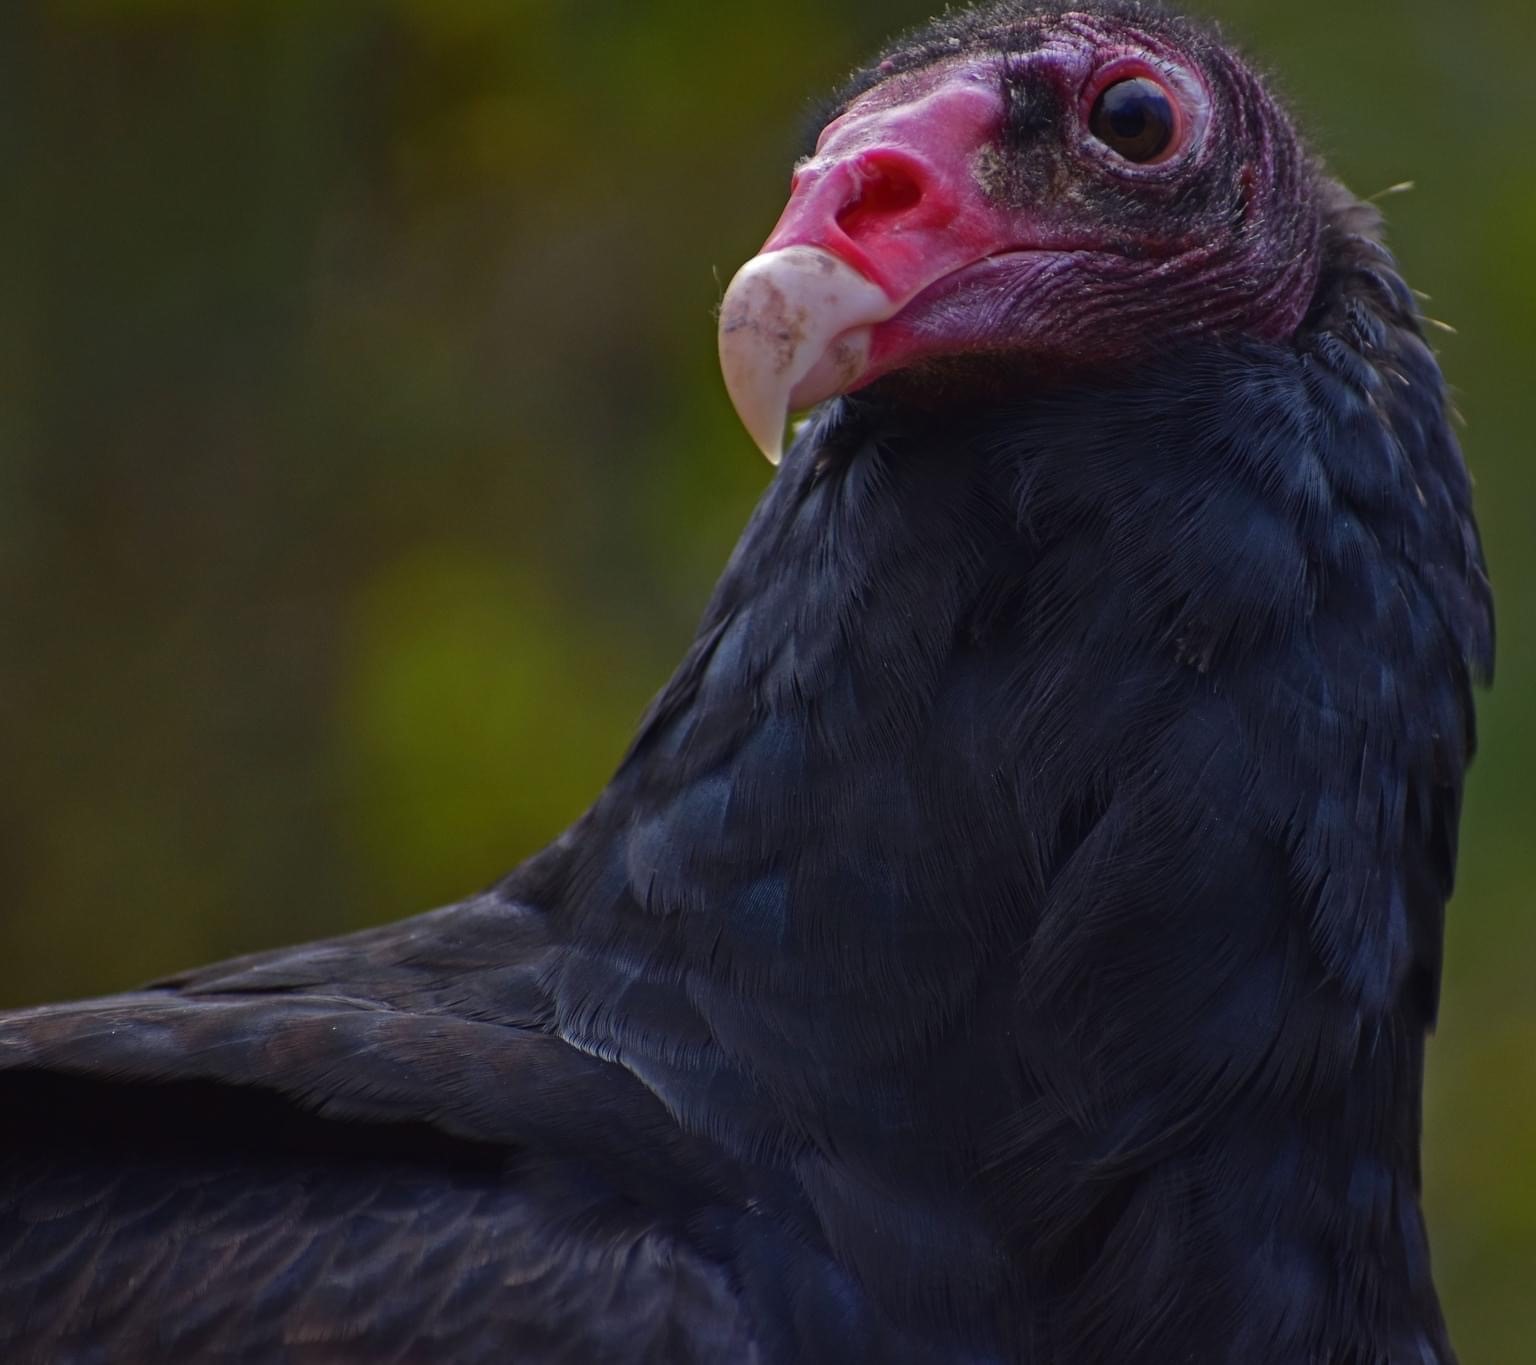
[[1020, 189]]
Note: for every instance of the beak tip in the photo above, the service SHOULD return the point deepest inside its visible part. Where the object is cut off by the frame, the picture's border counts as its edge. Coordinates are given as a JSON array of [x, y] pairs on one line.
[[768, 436], [780, 326], [761, 405]]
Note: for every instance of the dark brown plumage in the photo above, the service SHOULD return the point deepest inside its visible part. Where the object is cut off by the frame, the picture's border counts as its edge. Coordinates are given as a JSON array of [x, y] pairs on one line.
[[1013, 932]]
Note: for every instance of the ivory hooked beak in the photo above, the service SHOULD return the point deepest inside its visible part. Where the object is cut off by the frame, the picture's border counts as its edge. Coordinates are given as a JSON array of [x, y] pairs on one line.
[[794, 330]]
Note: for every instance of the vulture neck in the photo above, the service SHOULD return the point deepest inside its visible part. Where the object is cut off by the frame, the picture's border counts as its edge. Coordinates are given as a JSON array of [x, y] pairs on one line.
[[1035, 868]]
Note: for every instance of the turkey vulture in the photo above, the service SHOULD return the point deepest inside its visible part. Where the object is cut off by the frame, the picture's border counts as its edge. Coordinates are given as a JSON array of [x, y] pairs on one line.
[[1013, 932]]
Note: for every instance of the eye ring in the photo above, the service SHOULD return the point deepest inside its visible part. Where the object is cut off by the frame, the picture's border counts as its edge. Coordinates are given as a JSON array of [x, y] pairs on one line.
[[1137, 118]]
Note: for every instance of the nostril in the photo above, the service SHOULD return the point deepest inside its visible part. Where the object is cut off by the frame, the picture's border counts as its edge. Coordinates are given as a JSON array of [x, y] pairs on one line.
[[887, 188]]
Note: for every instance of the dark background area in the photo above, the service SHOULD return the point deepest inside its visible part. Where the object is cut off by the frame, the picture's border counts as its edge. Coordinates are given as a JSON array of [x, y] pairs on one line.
[[363, 463]]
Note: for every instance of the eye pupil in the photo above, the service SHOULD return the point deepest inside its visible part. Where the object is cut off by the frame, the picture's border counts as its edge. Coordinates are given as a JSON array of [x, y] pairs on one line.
[[1129, 123], [1134, 118]]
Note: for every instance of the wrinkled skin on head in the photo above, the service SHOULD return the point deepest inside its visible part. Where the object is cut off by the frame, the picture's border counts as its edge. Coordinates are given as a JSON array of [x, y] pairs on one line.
[[964, 178]]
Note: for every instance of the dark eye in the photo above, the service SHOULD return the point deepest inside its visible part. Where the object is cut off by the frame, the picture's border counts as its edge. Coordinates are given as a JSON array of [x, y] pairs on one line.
[[1135, 118]]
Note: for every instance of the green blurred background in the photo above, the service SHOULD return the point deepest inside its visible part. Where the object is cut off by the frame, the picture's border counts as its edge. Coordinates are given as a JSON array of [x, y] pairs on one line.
[[363, 465]]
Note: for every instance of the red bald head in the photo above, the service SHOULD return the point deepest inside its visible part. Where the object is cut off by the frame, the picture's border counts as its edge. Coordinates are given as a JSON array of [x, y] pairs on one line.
[[1069, 190]]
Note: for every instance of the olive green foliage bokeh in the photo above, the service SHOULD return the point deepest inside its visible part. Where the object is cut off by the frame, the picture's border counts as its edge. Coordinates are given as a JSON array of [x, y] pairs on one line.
[[363, 464]]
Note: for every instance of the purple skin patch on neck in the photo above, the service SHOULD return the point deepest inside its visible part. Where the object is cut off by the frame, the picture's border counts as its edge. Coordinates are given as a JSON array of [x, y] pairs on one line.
[[979, 194]]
